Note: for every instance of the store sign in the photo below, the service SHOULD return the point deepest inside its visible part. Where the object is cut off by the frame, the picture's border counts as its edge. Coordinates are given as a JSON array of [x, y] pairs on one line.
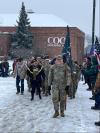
[[56, 41]]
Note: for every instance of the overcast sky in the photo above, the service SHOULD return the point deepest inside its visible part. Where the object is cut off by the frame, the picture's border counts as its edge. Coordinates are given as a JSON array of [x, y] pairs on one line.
[[74, 12]]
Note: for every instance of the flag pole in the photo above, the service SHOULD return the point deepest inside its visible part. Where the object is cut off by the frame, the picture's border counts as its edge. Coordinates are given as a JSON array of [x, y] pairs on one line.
[[99, 21], [93, 22]]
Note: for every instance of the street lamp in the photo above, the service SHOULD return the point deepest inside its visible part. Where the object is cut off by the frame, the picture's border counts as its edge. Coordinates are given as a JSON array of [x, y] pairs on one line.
[[99, 20], [93, 22]]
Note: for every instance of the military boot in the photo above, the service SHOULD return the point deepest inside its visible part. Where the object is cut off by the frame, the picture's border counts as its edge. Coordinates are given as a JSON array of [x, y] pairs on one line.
[[62, 114], [56, 114], [97, 123]]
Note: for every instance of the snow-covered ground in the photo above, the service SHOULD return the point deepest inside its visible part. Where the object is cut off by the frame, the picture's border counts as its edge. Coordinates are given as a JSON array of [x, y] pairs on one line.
[[19, 114]]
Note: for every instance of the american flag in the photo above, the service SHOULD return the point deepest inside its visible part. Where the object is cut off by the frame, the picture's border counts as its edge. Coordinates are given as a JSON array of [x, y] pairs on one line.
[[95, 50]]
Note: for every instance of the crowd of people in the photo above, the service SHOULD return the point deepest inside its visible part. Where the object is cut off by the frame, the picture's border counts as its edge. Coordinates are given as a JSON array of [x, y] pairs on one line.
[[44, 75], [91, 73]]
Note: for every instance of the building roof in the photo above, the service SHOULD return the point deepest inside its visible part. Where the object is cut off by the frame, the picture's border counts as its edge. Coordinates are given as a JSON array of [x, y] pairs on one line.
[[37, 20]]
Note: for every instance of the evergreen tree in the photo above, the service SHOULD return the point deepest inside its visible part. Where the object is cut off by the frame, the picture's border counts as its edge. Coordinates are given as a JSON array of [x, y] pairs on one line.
[[23, 34]]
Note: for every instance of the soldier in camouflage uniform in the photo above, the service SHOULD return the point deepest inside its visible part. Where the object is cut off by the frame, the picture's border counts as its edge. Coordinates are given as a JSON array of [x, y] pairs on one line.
[[75, 77], [59, 77], [46, 71]]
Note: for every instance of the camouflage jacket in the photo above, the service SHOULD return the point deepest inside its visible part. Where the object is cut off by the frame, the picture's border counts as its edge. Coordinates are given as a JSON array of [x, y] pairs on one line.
[[59, 74]]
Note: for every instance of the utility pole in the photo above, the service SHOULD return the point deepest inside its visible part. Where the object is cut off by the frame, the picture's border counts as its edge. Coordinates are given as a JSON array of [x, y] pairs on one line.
[[93, 22], [99, 20]]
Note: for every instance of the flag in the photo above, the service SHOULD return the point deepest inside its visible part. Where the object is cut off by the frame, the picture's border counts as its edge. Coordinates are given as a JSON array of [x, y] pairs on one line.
[[66, 51], [95, 48], [92, 50], [96, 51]]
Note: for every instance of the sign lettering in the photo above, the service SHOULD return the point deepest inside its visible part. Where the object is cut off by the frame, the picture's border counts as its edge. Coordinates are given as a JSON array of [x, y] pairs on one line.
[[56, 41]]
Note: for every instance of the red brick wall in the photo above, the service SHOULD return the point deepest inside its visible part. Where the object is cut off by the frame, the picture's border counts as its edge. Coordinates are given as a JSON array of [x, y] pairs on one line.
[[40, 40], [4, 44], [41, 36]]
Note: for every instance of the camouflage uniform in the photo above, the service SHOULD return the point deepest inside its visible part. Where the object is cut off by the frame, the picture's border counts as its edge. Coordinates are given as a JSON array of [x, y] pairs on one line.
[[75, 76], [59, 77], [46, 71]]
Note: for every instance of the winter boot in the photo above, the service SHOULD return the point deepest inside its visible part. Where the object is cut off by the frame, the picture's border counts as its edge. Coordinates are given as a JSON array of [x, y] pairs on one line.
[[32, 96], [62, 114], [40, 96], [92, 98], [49, 92], [46, 94], [17, 92], [56, 114], [95, 108], [97, 123]]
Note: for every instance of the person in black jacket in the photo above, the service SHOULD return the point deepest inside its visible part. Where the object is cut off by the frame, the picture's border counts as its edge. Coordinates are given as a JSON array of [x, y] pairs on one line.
[[5, 68], [39, 78], [31, 72], [34, 71]]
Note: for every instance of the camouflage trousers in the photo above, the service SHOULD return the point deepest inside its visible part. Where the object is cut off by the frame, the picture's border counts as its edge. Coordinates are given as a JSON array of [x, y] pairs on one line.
[[59, 97], [45, 86], [73, 87], [72, 91]]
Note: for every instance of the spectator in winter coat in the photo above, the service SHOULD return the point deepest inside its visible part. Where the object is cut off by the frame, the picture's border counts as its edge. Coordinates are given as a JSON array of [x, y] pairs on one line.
[[88, 68], [97, 93], [5, 68], [93, 74]]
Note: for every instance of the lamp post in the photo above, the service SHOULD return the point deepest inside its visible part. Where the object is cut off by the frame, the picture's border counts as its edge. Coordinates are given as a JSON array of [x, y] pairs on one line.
[[93, 22], [99, 20]]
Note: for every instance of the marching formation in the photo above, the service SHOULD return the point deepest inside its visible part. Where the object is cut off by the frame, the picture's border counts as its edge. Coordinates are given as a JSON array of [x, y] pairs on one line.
[[44, 75], [55, 77]]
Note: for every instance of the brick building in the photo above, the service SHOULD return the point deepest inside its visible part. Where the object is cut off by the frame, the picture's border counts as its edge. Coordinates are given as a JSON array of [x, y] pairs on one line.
[[49, 34]]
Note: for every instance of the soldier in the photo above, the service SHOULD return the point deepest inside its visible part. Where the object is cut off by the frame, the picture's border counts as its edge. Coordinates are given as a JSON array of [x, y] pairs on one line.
[[75, 77], [59, 77], [46, 71]]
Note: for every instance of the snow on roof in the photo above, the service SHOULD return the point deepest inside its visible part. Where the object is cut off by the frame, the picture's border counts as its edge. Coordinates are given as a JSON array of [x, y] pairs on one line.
[[37, 20]]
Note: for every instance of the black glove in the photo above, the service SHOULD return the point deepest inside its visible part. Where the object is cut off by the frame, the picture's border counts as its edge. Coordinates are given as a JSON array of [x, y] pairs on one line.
[[67, 89]]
